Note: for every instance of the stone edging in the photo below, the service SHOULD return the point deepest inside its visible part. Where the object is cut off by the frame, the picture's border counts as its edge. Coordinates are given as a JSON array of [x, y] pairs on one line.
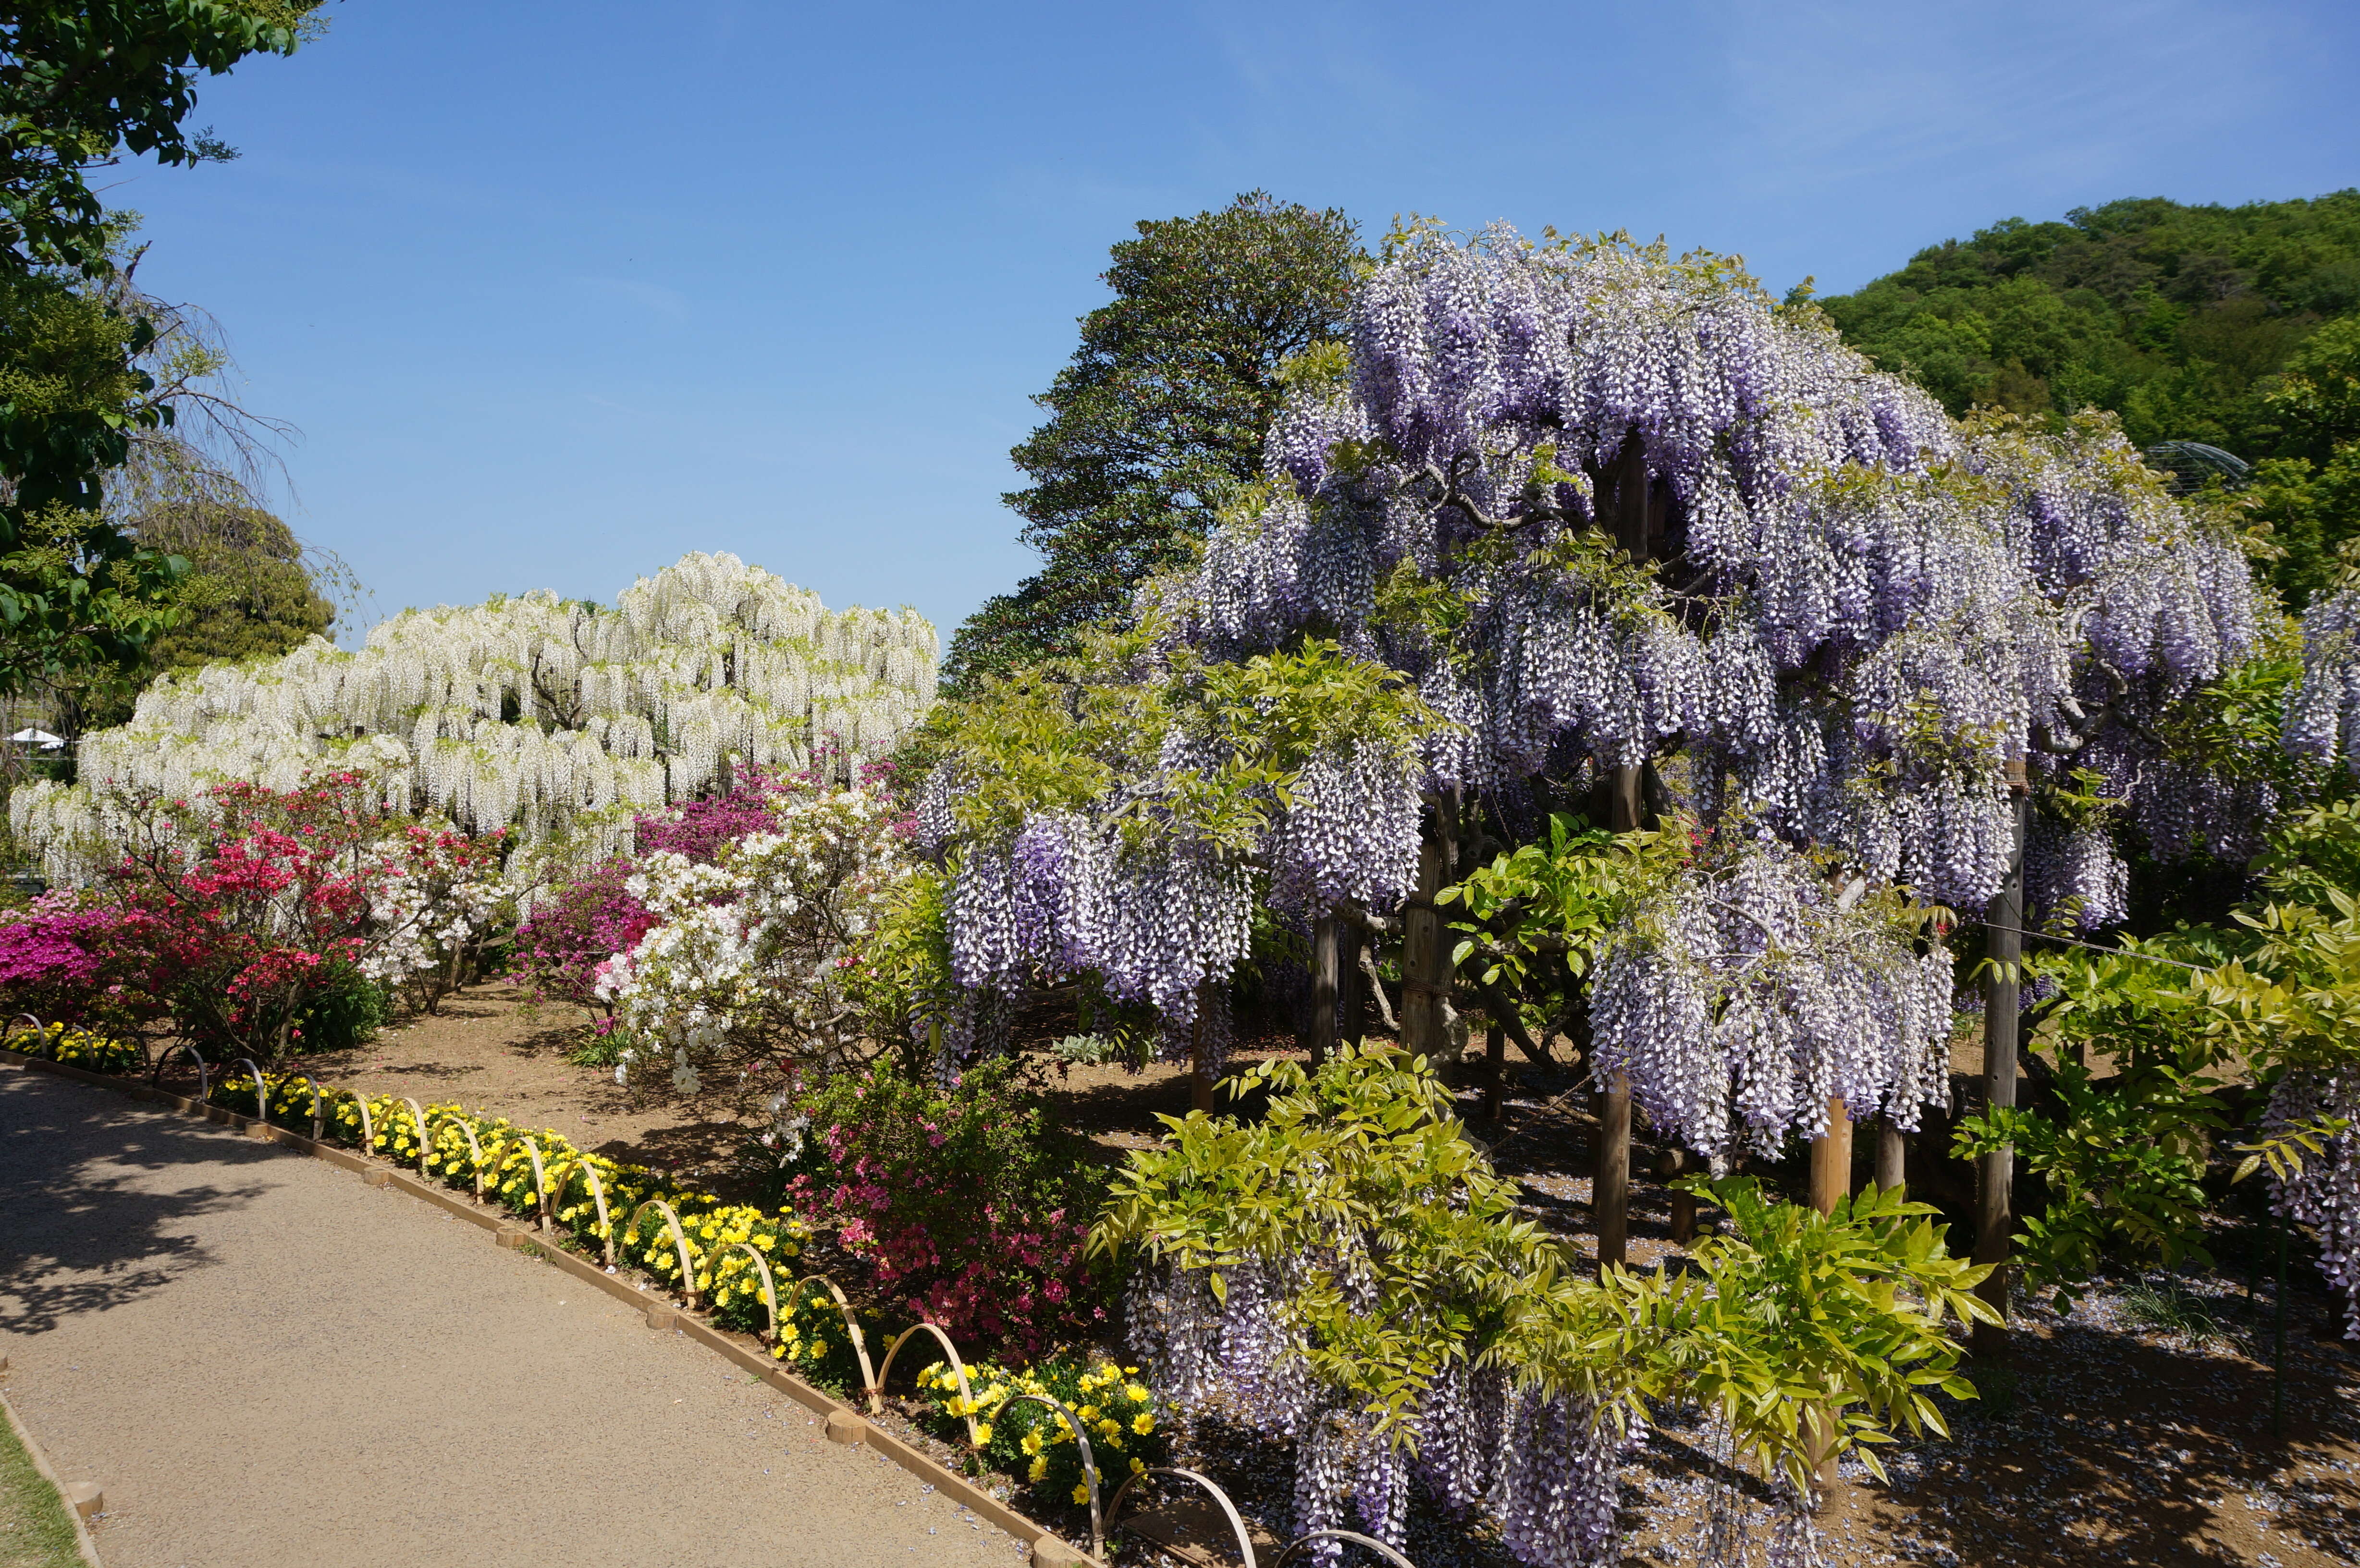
[[83, 1544], [845, 1424]]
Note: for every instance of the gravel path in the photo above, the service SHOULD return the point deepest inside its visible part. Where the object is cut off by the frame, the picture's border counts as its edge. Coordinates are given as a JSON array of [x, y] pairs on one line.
[[265, 1362]]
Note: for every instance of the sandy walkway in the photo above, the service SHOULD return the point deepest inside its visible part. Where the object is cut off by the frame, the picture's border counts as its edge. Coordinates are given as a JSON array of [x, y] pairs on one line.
[[264, 1363]]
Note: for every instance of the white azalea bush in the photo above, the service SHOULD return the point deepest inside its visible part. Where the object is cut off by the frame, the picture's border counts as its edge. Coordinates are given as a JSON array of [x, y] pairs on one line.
[[754, 956]]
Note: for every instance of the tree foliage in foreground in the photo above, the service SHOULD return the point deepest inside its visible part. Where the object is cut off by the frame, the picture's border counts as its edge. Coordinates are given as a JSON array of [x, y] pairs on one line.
[[1160, 415], [82, 85]]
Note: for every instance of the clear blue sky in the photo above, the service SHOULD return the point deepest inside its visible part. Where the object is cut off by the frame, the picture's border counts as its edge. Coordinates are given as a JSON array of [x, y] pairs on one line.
[[555, 292]]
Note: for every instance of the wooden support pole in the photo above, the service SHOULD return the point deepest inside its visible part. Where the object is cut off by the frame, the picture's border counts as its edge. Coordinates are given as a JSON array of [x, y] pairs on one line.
[[1425, 959], [1831, 1160], [1200, 1065], [1610, 1191], [1611, 1183], [1495, 1059], [1677, 1162], [1351, 990], [1995, 1171], [1830, 1184], [1892, 1155], [1326, 973]]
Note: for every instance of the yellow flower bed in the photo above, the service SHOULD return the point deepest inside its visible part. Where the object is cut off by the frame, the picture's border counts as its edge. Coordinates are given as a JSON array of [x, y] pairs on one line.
[[500, 1158], [1028, 1439], [82, 1047]]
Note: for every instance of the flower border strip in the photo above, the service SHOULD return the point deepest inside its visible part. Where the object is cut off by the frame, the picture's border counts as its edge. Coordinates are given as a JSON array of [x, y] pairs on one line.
[[1048, 1549]]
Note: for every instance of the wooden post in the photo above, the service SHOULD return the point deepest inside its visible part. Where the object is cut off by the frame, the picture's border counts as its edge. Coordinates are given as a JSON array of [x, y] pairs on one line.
[[1831, 1160], [1495, 1057], [1830, 1184], [1679, 1162], [1324, 976], [1425, 959], [1352, 992], [1200, 1068], [1892, 1155], [1995, 1171], [1609, 1187]]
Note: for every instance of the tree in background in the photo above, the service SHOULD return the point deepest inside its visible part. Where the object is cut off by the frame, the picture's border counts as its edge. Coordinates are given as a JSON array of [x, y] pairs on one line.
[[1161, 414], [2196, 323], [80, 85]]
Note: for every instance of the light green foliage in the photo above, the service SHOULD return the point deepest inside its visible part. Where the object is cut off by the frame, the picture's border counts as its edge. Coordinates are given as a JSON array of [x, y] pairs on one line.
[[1089, 731], [1367, 1149], [1787, 1313], [1791, 1312], [2124, 1159]]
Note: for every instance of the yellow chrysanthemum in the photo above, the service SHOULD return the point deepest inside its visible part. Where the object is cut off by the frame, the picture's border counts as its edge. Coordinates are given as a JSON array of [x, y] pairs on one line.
[[1136, 1392], [982, 1433], [1031, 1442], [1081, 1493], [1040, 1468], [1142, 1423]]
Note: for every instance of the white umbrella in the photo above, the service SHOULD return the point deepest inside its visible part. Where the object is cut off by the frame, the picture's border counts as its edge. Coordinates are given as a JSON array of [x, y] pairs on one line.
[[41, 738]]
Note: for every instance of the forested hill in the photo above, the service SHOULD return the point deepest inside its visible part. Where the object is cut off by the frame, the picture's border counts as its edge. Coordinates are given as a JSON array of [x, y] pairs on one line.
[[2190, 322]]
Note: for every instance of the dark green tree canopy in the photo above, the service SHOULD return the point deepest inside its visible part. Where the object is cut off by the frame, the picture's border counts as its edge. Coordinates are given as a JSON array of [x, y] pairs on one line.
[[2172, 316], [82, 81], [254, 596], [1162, 411], [84, 370]]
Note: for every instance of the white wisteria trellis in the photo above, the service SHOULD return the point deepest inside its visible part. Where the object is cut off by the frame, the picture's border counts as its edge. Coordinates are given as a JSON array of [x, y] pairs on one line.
[[552, 717]]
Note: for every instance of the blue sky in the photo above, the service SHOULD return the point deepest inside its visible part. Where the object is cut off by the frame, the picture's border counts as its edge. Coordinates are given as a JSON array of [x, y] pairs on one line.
[[556, 292]]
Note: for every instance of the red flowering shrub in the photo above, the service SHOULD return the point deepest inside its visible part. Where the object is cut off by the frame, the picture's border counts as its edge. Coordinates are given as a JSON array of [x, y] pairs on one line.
[[254, 912], [965, 1205]]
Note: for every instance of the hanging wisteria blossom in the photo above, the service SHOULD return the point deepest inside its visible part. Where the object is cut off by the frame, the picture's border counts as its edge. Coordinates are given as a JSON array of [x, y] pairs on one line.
[[534, 712]]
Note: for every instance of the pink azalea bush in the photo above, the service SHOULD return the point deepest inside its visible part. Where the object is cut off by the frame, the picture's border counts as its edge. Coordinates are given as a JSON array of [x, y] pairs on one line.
[[967, 1206]]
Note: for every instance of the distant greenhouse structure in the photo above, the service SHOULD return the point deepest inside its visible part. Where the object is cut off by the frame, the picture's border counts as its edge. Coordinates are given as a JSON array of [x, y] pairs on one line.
[[558, 718]]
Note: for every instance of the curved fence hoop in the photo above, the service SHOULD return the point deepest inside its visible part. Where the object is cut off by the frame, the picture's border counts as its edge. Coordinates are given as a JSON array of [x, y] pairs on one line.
[[540, 1177], [761, 1265], [368, 1123], [966, 1395], [318, 1124], [679, 1242], [1089, 1461], [182, 1048], [851, 1326], [1302, 1543], [466, 1125], [1237, 1520], [418, 1119], [589, 1172], [41, 1031], [261, 1089]]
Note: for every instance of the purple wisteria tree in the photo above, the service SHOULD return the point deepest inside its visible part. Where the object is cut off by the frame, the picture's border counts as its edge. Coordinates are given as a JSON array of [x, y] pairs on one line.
[[1581, 525]]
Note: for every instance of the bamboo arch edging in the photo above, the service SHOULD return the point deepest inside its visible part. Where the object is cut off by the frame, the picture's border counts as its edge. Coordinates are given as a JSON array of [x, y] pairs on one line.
[[182, 1048], [1089, 1461], [679, 1240], [1237, 1520], [966, 1395], [418, 1119], [869, 1378], [261, 1089], [1303, 1543], [769, 1286], [581, 1164], [467, 1126]]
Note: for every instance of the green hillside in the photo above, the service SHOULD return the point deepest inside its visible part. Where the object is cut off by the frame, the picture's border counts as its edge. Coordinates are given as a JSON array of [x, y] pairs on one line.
[[2193, 323]]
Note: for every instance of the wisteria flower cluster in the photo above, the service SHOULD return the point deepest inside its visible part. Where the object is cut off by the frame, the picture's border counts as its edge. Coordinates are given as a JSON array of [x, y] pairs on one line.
[[1756, 986]]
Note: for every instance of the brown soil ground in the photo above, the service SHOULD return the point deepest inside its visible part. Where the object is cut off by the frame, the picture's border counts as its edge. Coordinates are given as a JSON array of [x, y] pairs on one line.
[[2106, 1442]]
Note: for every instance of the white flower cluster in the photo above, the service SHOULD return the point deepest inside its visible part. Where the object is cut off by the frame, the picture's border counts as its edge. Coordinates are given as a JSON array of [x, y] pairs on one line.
[[543, 715], [751, 953]]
